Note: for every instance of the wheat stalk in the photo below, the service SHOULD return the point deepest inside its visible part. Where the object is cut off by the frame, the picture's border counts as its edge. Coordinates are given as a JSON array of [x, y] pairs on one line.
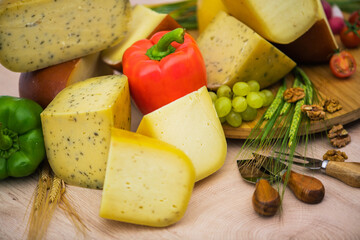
[[40, 195], [286, 107], [296, 120], [276, 102]]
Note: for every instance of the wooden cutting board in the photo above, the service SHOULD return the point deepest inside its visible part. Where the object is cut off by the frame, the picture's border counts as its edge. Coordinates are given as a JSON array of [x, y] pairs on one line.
[[347, 91]]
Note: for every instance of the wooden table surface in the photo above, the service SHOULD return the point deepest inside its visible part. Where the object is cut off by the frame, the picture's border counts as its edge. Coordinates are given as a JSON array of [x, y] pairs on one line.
[[220, 207]]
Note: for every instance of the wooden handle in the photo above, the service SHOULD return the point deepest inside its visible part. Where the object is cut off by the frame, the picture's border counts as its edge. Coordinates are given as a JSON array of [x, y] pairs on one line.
[[347, 172], [307, 189], [266, 200]]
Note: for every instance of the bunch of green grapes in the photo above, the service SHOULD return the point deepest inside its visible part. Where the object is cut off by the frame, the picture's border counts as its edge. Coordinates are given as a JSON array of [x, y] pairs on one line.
[[241, 102]]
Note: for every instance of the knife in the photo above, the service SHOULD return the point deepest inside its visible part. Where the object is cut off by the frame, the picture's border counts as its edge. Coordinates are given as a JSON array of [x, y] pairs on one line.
[[305, 188], [266, 199], [347, 172]]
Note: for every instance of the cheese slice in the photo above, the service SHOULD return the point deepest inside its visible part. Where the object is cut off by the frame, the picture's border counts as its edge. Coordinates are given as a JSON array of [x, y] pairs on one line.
[[317, 45], [233, 52], [35, 34], [77, 124], [144, 23], [148, 182], [191, 124], [279, 21]]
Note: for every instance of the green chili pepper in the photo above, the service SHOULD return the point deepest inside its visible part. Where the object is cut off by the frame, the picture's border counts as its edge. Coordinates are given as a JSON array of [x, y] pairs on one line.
[[21, 139]]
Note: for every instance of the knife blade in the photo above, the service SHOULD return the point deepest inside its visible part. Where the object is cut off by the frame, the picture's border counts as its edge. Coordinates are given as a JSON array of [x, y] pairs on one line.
[[306, 188]]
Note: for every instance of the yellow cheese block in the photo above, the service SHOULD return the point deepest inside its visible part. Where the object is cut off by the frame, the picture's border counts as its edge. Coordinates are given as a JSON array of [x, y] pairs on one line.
[[233, 52], [148, 182], [35, 34], [144, 23], [279, 21], [77, 125], [206, 11], [317, 45], [191, 124]]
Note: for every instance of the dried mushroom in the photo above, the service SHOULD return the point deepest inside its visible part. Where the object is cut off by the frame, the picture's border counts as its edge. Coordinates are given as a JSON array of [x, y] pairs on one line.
[[314, 112], [338, 136], [292, 95], [331, 105], [335, 155]]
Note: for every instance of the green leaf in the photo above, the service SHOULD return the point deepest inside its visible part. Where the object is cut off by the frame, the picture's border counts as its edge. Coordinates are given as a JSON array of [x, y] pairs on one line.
[[184, 12]]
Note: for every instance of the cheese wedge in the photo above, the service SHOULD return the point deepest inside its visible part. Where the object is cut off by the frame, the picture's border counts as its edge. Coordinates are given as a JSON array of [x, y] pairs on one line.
[[77, 124], [144, 23], [233, 52], [148, 182], [35, 34], [317, 45], [191, 124], [279, 21]]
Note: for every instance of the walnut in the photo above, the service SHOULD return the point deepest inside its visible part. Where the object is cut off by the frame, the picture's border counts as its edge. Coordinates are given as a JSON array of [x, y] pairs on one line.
[[314, 112], [335, 155], [338, 136], [292, 95], [331, 105]]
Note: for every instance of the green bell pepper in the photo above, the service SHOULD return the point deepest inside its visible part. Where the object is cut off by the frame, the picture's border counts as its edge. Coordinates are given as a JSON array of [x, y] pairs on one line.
[[22, 146]]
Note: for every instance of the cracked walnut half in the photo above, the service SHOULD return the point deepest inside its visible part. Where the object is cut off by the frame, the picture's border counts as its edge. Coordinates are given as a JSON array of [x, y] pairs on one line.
[[292, 95], [331, 105], [314, 112], [335, 155], [338, 136]]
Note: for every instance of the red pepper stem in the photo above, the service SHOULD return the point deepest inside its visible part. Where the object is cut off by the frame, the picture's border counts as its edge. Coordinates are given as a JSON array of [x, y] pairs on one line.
[[163, 47], [5, 141]]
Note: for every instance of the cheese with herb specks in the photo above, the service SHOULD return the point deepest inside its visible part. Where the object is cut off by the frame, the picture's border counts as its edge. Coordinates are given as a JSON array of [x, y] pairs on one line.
[[77, 125], [233, 52], [35, 34], [191, 124], [147, 182]]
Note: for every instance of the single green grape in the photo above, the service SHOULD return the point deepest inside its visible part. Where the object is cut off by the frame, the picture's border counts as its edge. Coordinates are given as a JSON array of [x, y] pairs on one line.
[[263, 96], [224, 91], [213, 96], [239, 104], [234, 119], [249, 114], [254, 100], [222, 119], [254, 86], [269, 96], [241, 89], [223, 106]]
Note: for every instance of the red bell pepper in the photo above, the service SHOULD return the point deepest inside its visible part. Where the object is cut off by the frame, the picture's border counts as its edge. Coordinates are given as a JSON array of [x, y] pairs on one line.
[[163, 69]]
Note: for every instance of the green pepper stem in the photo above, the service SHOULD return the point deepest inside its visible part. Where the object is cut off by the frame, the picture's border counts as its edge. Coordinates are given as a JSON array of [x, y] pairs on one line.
[[163, 47], [5, 141]]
